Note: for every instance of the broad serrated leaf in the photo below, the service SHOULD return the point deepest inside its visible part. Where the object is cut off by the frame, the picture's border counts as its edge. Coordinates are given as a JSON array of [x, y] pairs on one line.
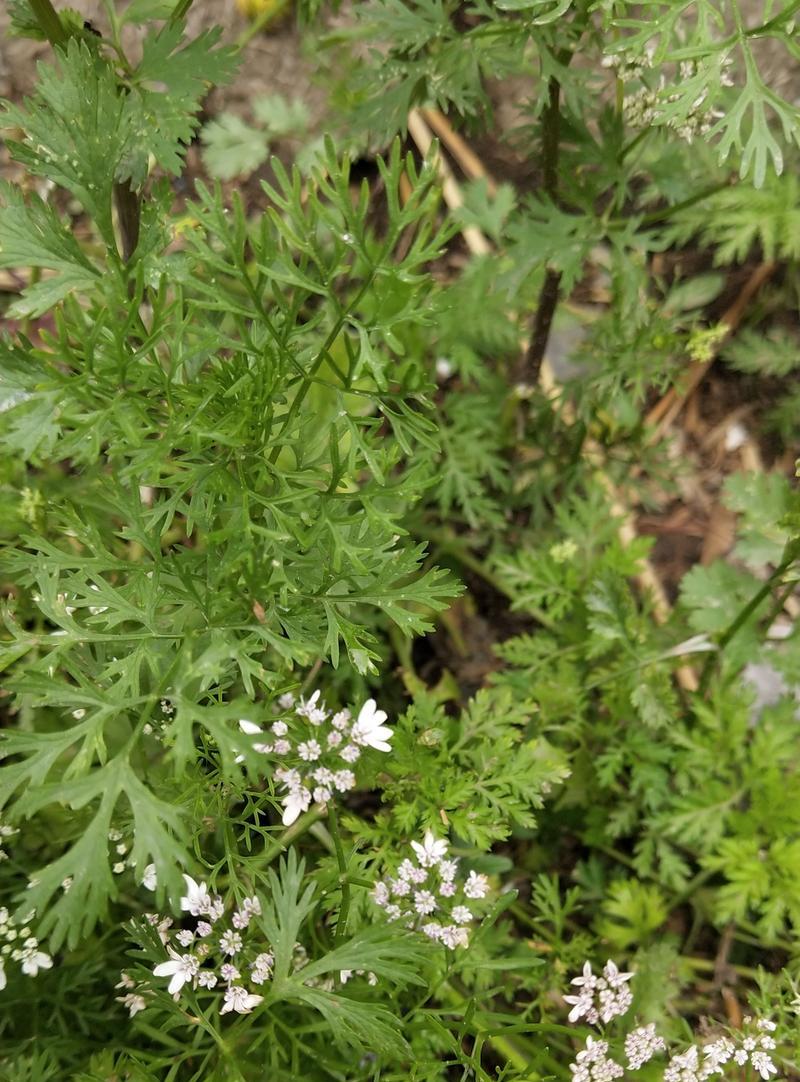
[[32, 235]]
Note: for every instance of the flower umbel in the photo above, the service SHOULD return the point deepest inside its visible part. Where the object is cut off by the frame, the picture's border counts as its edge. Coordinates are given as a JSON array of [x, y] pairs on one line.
[[601, 998], [426, 897], [316, 749]]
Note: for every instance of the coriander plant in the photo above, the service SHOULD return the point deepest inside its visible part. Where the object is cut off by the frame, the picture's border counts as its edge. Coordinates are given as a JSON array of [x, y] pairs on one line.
[[342, 725]]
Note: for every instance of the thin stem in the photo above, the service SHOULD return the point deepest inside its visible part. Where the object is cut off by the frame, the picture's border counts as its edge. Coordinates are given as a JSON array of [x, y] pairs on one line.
[[48, 19], [548, 296], [698, 197], [304, 823], [790, 555], [344, 882], [179, 11]]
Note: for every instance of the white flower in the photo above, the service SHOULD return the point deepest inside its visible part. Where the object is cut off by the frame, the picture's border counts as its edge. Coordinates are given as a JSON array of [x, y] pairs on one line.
[[240, 1000], [600, 998], [32, 959], [296, 802], [683, 1068], [476, 886], [150, 877], [369, 729], [341, 720], [717, 1055], [350, 753], [613, 975], [763, 1064], [400, 887], [181, 968], [593, 1065], [261, 968], [282, 747], [229, 972], [461, 915], [309, 751], [641, 1045], [334, 739], [207, 979], [380, 894], [286, 701], [308, 709], [3, 981], [431, 851], [230, 942], [133, 1002], [204, 928], [448, 869], [250, 728], [453, 937], [424, 901], [197, 899], [185, 937], [344, 780], [280, 728]]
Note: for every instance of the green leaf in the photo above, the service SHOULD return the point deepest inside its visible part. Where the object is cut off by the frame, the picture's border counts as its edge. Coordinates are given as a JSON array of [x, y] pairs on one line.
[[280, 116], [488, 213], [352, 1023], [77, 129], [170, 82], [382, 950], [287, 909], [233, 148], [31, 235]]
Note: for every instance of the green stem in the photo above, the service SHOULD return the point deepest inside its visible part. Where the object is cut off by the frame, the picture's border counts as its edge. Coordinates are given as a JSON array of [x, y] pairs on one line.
[[633, 143], [698, 197], [291, 833], [775, 22], [48, 19], [780, 602], [789, 557], [344, 908], [179, 11]]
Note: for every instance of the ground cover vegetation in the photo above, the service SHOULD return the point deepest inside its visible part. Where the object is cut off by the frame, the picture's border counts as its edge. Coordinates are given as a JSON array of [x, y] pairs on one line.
[[354, 724]]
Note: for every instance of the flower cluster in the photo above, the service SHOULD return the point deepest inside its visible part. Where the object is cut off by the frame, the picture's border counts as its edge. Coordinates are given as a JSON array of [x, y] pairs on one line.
[[20, 946], [752, 1046], [641, 1044], [647, 105], [215, 953], [601, 998], [317, 749], [426, 895], [593, 1065]]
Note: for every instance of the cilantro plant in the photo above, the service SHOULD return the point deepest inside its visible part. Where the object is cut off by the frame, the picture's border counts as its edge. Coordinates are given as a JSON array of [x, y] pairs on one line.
[[344, 733]]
